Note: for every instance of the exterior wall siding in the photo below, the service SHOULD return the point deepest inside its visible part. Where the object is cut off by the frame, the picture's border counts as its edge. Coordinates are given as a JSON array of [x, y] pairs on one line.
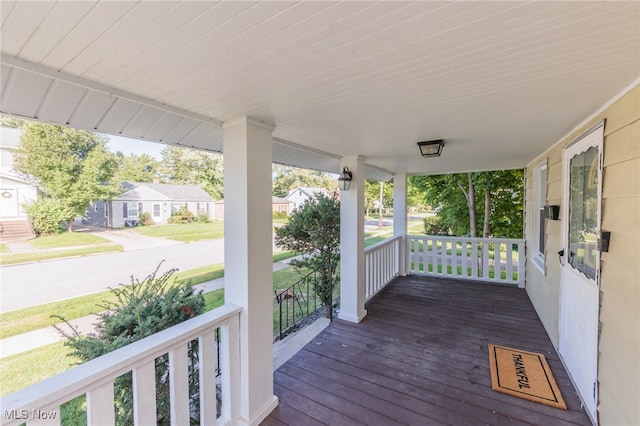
[[619, 340]]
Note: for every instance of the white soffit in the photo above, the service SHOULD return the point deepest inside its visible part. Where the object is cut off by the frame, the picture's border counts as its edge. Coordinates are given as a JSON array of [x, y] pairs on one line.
[[38, 94]]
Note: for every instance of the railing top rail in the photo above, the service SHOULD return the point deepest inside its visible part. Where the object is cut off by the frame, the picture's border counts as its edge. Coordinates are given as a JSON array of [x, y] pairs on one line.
[[469, 239], [92, 374], [381, 244]]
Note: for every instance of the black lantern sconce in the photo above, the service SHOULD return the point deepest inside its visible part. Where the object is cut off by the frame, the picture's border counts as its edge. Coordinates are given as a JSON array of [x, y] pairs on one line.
[[431, 148], [344, 181]]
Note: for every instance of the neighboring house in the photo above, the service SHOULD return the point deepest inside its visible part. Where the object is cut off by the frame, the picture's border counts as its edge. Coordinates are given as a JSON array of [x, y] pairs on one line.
[[277, 205], [282, 205], [158, 199], [302, 193], [15, 190]]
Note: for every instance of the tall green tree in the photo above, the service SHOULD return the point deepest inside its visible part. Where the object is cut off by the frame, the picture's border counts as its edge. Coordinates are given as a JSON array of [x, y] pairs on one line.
[[193, 167], [73, 166], [465, 202], [287, 178], [136, 168], [314, 230]]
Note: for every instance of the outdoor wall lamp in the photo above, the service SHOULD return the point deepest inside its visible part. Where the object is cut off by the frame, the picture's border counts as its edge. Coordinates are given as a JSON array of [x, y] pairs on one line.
[[431, 148], [344, 181]]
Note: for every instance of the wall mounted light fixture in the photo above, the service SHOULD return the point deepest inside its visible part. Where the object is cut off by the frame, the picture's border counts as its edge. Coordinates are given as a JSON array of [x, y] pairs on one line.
[[431, 148], [344, 181]]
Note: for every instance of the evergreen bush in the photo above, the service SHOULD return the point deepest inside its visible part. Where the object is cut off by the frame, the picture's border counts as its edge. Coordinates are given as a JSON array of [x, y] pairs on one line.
[[182, 215], [46, 215], [142, 309], [145, 219]]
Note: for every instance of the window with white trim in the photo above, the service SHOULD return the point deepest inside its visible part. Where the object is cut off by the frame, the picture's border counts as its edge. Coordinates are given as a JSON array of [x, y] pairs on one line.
[[539, 222]]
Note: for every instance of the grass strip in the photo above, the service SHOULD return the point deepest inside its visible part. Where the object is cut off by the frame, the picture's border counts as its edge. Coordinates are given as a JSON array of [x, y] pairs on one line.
[[9, 259], [67, 239], [4, 248], [28, 368], [184, 232]]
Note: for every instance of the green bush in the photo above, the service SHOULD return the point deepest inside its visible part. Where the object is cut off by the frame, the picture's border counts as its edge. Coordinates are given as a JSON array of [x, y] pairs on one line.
[[182, 215], [142, 309], [202, 218], [434, 226], [145, 219], [46, 215], [280, 215]]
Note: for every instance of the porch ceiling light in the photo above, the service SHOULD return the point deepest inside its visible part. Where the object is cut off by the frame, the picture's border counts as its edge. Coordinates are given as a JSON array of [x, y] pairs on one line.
[[431, 148], [344, 181]]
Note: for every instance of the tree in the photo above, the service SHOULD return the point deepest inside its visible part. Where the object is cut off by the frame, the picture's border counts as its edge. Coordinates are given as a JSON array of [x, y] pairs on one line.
[[136, 168], [192, 167], [462, 200], [73, 166], [287, 178], [11, 122], [314, 230]]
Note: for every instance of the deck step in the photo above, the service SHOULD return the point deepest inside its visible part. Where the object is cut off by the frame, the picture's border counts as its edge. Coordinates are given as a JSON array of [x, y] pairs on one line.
[[16, 230]]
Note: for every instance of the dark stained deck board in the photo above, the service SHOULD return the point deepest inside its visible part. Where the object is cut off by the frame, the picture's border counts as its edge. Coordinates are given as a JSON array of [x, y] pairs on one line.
[[420, 357]]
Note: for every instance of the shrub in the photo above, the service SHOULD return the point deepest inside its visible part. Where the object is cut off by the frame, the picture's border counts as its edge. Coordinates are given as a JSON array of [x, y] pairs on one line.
[[142, 309], [280, 215], [145, 219], [202, 218], [434, 226], [46, 215], [182, 215]]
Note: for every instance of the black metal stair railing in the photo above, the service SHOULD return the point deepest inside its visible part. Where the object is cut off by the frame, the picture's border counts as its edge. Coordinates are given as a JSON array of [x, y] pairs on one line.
[[302, 300]]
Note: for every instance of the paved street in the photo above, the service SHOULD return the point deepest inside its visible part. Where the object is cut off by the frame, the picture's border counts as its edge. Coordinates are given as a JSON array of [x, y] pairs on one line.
[[37, 283]]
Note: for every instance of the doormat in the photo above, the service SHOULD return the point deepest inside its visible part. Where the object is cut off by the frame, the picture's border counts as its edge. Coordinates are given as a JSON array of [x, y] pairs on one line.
[[524, 374]]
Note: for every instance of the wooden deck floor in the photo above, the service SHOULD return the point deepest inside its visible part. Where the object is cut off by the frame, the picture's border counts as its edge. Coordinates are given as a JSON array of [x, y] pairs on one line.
[[420, 357]]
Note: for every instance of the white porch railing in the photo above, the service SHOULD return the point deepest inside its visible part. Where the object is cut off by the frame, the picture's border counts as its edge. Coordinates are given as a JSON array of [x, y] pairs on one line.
[[500, 260], [382, 264], [40, 403]]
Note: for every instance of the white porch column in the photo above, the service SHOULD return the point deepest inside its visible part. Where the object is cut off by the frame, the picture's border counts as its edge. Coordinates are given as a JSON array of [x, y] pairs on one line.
[[400, 217], [248, 258], [352, 243]]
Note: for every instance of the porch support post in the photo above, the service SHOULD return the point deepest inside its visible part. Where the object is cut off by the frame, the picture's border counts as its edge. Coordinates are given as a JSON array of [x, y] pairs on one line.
[[352, 243], [400, 218], [248, 258]]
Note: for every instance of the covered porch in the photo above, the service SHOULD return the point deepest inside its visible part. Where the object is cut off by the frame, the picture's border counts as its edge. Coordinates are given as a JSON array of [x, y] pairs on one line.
[[420, 357], [329, 85]]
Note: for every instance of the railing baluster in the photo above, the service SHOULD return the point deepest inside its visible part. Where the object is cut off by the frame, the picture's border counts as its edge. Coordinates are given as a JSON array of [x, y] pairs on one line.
[[179, 385], [509, 262], [100, 406], [207, 358], [144, 394]]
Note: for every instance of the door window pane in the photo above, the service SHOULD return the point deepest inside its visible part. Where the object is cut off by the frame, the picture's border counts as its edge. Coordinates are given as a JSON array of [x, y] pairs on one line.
[[583, 212]]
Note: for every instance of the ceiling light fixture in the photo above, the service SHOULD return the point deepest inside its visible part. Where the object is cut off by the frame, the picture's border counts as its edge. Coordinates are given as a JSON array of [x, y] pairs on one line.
[[431, 148]]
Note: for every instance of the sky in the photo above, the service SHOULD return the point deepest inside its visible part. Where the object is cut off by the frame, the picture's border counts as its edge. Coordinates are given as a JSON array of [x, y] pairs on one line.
[[134, 146]]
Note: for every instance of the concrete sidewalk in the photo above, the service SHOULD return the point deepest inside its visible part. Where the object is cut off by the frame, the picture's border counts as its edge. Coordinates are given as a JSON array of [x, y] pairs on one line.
[[85, 325]]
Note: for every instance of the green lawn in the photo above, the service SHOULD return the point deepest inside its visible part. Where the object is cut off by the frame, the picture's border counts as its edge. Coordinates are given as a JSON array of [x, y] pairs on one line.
[[4, 248], [31, 367], [185, 232], [67, 239], [8, 259]]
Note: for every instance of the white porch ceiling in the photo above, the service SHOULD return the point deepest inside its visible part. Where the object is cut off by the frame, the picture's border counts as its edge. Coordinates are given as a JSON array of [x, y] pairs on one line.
[[499, 81]]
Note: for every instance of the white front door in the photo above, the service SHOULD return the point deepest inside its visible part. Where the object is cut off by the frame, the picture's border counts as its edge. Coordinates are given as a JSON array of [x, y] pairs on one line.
[[8, 202], [579, 284]]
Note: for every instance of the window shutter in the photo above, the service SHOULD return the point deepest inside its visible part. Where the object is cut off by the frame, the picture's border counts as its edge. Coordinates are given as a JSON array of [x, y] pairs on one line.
[[139, 209], [124, 210]]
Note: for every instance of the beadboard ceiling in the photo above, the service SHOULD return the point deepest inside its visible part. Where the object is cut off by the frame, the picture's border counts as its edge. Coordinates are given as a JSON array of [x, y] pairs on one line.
[[500, 82]]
